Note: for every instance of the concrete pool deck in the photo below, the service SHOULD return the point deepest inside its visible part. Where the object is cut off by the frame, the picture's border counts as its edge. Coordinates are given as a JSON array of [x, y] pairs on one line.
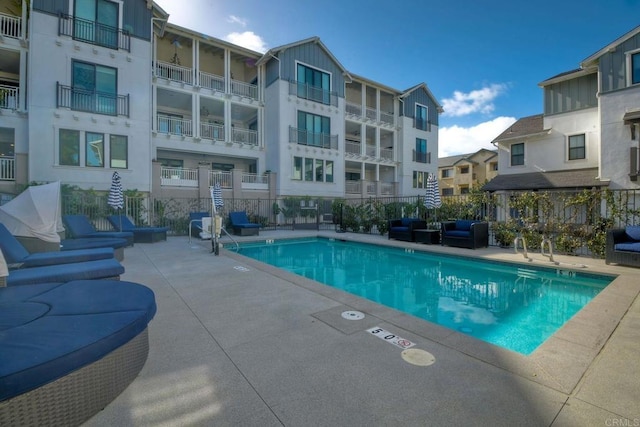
[[237, 342]]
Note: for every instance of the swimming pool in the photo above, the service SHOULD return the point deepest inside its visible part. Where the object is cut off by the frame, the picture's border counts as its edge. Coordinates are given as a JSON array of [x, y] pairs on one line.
[[515, 307]]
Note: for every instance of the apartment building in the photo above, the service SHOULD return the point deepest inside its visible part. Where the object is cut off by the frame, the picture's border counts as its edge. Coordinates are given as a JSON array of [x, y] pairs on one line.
[[98, 85], [459, 174], [588, 133]]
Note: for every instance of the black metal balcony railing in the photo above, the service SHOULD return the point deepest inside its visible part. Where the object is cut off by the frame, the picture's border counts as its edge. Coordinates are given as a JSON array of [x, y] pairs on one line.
[[421, 157], [304, 91], [304, 137], [422, 124], [94, 32], [91, 101]]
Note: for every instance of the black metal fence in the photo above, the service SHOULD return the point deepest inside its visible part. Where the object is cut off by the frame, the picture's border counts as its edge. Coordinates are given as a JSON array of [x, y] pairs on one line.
[[576, 221]]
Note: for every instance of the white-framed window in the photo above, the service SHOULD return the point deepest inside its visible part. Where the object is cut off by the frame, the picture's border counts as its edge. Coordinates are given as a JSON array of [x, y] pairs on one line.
[[422, 117], [312, 170], [576, 147], [91, 149], [517, 154], [633, 65], [446, 173]]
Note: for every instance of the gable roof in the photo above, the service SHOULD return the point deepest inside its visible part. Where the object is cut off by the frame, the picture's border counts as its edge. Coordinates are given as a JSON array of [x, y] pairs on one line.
[[424, 87], [453, 160], [523, 128], [565, 179], [568, 75], [591, 60], [271, 53]]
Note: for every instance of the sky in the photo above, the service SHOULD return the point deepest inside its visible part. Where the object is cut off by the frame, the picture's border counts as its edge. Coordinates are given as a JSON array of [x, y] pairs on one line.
[[482, 60]]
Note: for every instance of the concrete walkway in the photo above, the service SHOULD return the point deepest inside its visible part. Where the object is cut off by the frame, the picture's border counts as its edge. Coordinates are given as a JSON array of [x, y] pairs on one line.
[[239, 343]]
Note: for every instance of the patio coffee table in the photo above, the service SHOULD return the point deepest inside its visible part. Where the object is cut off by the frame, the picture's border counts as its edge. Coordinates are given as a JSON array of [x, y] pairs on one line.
[[430, 237]]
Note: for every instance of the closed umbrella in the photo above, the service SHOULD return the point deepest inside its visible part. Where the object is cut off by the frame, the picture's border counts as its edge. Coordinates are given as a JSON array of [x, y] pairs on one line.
[[116, 198], [218, 203], [432, 196]]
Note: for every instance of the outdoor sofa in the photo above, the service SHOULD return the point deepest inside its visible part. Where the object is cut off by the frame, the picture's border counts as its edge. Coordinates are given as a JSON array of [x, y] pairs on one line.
[[623, 246], [69, 349], [16, 254], [79, 226], [140, 234], [241, 225], [404, 228], [465, 233]]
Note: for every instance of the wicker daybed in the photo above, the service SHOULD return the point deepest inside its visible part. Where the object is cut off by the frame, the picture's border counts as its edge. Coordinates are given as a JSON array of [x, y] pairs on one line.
[[68, 349]]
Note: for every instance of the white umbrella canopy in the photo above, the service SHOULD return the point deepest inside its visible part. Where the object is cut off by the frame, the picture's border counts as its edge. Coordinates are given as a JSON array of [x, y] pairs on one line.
[[35, 212]]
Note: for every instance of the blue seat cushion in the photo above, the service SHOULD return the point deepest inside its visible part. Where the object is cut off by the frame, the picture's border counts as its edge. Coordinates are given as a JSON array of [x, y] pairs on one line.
[[400, 229], [458, 233], [633, 231], [627, 247], [97, 269], [240, 220], [123, 222], [247, 225], [41, 259], [52, 329], [75, 244], [463, 224]]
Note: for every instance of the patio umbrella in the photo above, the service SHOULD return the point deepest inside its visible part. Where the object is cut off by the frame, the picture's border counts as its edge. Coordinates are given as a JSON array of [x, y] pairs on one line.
[[216, 195], [116, 199], [432, 195]]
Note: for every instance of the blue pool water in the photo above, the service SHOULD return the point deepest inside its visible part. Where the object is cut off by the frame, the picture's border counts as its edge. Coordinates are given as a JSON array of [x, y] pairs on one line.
[[515, 307]]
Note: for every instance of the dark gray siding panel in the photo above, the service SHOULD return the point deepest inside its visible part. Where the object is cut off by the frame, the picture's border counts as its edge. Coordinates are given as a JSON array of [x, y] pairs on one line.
[[613, 66], [571, 95], [271, 72], [313, 55], [420, 97], [52, 6]]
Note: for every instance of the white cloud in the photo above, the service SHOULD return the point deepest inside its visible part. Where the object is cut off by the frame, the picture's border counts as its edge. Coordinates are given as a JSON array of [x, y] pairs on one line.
[[476, 101], [455, 139], [249, 40], [232, 19]]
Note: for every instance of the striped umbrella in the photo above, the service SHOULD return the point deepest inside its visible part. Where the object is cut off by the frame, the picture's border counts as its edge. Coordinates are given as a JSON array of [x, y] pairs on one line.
[[432, 195], [216, 195], [116, 198]]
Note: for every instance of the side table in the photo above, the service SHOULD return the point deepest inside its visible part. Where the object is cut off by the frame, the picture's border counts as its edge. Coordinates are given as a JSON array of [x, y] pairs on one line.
[[430, 237]]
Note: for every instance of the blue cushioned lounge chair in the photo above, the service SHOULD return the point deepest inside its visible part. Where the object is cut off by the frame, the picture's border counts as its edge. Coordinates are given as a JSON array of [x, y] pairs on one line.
[[97, 269], [140, 234], [241, 225], [79, 226], [16, 254], [117, 245]]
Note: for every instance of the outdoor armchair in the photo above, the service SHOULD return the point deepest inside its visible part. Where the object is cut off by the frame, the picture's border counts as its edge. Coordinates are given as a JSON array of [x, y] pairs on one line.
[[404, 228], [465, 233]]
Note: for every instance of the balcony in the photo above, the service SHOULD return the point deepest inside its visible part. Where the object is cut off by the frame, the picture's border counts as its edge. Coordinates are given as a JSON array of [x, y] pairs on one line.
[[225, 179], [174, 126], [179, 177], [212, 131], [8, 97], [386, 153], [94, 33], [353, 109], [7, 169], [370, 113], [304, 137], [92, 101], [244, 136], [316, 94], [189, 177], [422, 124], [211, 81], [173, 72], [370, 188], [421, 157], [352, 147], [10, 26], [245, 90]]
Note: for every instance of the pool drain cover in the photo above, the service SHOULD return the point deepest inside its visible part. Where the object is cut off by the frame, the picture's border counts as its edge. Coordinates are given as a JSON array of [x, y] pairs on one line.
[[418, 357], [352, 315]]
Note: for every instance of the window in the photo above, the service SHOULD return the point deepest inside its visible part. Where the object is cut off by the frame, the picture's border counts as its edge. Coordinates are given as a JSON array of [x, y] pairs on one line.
[[94, 149], [493, 166], [171, 163], [517, 154], [94, 88], [421, 117], [447, 191], [96, 21], [464, 169], [314, 84], [576, 147], [446, 173], [297, 168], [420, 179], [421, 150], [352, 176], [635, 68], [69, 148], [314, 130], [464, 189], [317, 170], [118, 151]]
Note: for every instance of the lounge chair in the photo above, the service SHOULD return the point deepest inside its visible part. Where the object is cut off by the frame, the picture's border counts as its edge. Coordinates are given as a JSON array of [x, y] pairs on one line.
[[79, 226], [69, 349], [97, 269], [15, 254], [140, 234], [117, 245], [195, 223], [465, 233], [241, 225]]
